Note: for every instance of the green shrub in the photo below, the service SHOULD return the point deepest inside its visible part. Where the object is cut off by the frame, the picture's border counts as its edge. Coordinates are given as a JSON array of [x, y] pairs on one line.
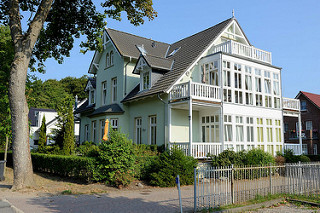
[[228, 157], [290, 157], [164, 169], [314, 157], [259, 157], [88, 149], [304, 158], [81, 168], [116, 160]]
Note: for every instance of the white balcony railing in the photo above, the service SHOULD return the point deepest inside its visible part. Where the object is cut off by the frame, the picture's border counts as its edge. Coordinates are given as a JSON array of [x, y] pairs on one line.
[[236, 48], [199, 150], [296, 148], [291, 104], [198, 91]]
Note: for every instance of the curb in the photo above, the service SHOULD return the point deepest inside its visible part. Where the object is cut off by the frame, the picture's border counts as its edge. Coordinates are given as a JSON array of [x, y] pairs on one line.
[[253, 206], [8, 207]]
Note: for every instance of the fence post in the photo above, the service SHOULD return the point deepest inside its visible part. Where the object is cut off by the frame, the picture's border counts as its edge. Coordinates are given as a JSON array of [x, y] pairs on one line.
[[270, 173], [195, 190], [300, 177], [232, 184]]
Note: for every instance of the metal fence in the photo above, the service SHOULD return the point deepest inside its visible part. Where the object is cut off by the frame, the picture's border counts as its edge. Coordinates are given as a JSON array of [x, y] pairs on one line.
[[229, 185]]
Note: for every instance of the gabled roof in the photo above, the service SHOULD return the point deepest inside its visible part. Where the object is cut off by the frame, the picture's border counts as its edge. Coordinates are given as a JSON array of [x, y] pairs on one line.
[[84, 108], [108, 109], [32, 114], [189, 50], [91, 82], [314, 98], [126, 44]]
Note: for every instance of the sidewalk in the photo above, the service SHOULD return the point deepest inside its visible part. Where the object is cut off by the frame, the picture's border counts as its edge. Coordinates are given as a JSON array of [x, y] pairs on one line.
[[144, 200]]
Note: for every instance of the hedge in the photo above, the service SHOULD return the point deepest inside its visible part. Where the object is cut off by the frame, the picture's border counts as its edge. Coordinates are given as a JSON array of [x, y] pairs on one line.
[[81, 168]]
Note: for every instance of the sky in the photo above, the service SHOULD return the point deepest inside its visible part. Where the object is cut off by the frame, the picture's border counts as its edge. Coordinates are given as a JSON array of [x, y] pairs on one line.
[[289, 29]]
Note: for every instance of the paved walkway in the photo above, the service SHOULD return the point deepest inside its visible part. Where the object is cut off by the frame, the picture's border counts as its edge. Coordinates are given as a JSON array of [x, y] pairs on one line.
[[145, 200]]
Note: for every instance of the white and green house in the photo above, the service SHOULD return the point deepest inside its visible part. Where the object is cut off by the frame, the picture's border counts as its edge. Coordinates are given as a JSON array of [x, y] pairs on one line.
[[205, 93]]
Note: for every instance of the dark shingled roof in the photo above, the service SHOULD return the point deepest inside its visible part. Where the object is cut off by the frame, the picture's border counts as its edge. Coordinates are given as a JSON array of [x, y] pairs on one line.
[[126, 44], [93, 82], [84, 107], [190, 49], [158, 63], [108, 109], [32, 111], [314, 98]]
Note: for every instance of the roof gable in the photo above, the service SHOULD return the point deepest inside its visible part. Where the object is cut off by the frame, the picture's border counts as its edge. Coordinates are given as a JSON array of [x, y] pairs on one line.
[[313, 98], [91, 84]]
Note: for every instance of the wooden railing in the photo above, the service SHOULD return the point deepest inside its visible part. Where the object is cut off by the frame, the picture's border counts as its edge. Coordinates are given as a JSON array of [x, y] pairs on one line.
[[199, 150], [291, 104], [198, 91], [236, 48], [296, 148]]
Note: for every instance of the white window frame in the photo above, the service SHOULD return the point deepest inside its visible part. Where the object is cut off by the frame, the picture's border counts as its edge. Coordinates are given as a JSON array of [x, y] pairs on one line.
[[94, 130], [104, 93], [239, 129], [143, 84], [152, 128], [250, 129], [303, 105], [102, 124], [308, 125], [138, 130], [107, 60], [114, 122], [92, 96], [304, 149], [228, 136], [212, 123], [111, 58], [114, 91], [315, 149], [86, 132]]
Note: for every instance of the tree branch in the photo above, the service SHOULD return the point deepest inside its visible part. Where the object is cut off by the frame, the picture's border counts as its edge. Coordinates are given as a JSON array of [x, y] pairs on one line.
[[37, 23], [15, 22]]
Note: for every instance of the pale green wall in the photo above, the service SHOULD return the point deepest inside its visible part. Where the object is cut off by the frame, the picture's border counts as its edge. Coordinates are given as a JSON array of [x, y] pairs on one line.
[[144, 108], [180, 126]]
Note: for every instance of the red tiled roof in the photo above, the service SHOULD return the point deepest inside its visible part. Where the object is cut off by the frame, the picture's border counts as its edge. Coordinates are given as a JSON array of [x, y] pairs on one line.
[[315, 98]]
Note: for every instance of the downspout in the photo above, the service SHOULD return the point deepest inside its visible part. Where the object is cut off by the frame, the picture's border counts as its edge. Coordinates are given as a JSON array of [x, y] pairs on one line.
[[165, 116], [125, 79]]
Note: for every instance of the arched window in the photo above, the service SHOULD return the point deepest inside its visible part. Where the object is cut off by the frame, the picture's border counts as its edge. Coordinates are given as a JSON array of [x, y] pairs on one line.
[[111, 58], [107, 60]]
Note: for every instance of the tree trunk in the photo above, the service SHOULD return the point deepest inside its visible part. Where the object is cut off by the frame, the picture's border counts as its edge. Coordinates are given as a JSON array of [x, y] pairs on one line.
[[22, 164]]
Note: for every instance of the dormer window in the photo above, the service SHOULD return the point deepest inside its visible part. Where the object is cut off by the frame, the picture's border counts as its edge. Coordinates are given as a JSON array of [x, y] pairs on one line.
[[145, 81], [111, 58], [91, 97], [107, 60]]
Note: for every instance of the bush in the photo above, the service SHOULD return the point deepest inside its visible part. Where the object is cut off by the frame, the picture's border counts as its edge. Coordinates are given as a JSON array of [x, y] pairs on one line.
[[228, 157], [81, 168], [304, 158], [280, 160], [116, 160], [290, 157], [88, 149], [164, 169], [259, 157]]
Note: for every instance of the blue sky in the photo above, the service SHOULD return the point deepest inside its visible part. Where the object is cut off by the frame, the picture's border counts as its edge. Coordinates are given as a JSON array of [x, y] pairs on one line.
[[287, 28]]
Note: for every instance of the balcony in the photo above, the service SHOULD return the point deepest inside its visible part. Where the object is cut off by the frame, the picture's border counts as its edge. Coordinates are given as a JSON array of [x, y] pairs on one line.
[[240, 49], [198, 91], [291, 104], [199, 150]]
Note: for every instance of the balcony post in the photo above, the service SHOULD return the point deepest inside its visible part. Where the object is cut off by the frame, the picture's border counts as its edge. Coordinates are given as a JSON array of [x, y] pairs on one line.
[[169, 123], [190, 120], [300, 131]]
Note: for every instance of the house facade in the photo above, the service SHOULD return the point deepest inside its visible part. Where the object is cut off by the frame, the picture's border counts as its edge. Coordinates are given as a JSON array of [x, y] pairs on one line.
[[205, 93], [310, 120]]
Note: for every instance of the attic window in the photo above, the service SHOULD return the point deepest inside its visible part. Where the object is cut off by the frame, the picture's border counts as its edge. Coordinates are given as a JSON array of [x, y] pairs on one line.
[[153, 44], [141, 49], [174, 52]]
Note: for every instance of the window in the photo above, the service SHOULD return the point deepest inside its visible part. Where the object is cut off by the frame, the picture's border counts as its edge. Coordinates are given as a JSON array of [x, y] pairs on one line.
[[267, 101], [93, 131], [210, 73], [286, 127], [249, 99], [210, 128], [308, 125], [114, 89], [258, 80], [138, 128], [239, 128], [146, 80], [111, 58], [227, 96], [86, 132], [248, 79], [315, 149], [270, 149], [238, 97], [276, 102], [107, 60], [153, 130], [102, 124], [91, 96], [114, 123], [228, 128], [104, 93], [276, 87], [304, 149], [226, 74], [258, 100], [267, 86], [278, 130], [250, 129], [259, 129], [303, 105], [238, 85], [269, 130]]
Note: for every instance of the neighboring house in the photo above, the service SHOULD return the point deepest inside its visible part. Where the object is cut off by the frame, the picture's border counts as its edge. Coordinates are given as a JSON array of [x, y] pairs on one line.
[[310, 117], [35, 119], [77, 119], [210, 91]]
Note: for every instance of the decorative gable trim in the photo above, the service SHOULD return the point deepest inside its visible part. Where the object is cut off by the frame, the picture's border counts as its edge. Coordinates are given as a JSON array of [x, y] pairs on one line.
[[141, 63], [89, 86]]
